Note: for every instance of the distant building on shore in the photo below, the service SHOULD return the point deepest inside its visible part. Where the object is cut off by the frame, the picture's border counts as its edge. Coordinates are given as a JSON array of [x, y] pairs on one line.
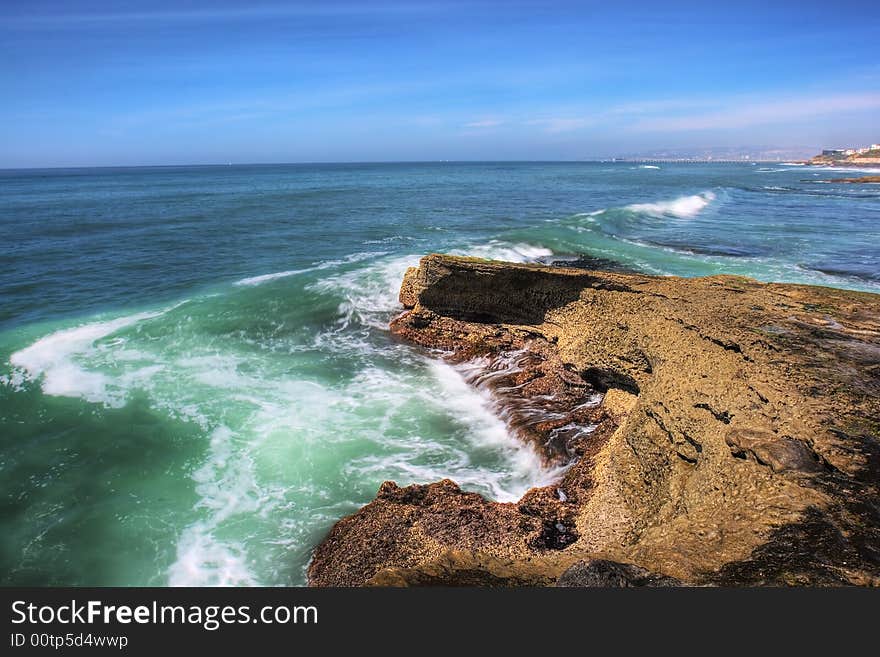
[[846, 152], [864, 155]]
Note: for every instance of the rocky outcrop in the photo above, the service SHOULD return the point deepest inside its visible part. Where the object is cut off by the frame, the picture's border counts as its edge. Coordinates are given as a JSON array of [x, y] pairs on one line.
[[857, 181], [867, 158], [737, 440]]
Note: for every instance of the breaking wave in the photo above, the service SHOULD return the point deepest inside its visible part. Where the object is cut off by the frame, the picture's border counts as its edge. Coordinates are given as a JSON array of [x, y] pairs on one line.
[[682, 207]]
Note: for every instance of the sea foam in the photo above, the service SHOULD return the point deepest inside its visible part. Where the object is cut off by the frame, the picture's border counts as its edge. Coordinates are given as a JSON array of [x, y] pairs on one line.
[[498, 250], [327, 264], [202, 560], [682, 207], [419, 458], [475, 406], [53, 359]]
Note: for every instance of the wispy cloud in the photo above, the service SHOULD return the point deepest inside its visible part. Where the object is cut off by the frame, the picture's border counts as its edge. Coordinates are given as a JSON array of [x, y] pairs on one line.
[[556, 125], [281, 106], [486, 123], [661, 106], [749, 113]]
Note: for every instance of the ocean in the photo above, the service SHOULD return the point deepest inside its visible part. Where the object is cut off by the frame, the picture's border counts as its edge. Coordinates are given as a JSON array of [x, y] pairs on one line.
[[196, 376]]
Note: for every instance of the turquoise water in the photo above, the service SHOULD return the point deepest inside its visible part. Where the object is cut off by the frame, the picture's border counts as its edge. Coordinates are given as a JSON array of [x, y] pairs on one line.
[[196, 379]]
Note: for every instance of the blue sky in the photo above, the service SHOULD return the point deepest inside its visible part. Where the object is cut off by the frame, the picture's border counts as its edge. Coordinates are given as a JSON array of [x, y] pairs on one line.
[[106, 83]]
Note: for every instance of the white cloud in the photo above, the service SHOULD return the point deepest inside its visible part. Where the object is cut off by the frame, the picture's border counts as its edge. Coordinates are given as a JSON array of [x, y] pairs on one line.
[[487, 123], [747, 113]]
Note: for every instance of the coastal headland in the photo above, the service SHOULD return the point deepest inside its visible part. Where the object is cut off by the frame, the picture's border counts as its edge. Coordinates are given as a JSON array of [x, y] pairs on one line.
[[848, 157], [716, 431]]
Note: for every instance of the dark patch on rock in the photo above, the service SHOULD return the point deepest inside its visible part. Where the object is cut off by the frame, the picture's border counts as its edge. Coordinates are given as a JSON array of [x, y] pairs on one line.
[[593, 263], [555, 535], [611, 574], [603, 379], [779, 453], [721, 416]]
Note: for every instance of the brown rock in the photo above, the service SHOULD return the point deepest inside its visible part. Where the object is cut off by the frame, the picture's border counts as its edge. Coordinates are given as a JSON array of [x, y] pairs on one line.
[[780, 453], [738, 441]]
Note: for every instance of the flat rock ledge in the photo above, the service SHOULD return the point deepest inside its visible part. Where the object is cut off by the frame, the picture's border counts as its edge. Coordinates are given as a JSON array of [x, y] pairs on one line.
[[736, 443]]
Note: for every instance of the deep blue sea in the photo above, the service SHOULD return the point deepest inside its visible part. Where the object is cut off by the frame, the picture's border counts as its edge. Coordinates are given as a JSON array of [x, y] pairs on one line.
[[196, 377]]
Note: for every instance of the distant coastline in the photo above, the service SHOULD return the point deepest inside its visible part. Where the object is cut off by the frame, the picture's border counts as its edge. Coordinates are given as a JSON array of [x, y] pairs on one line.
[[839, 157], [698, 160], [848, 157]]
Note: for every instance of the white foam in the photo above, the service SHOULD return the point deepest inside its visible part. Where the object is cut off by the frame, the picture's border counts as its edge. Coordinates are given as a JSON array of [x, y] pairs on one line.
[[265, 278], [475, 407], [370, 294], [648, 166], [202, 560], [15, 379], [327, 264], [200, 386], [406, 456], [295, 408], [683, 207], [497, 250], [591, 216], [53, 359], [227, 486]]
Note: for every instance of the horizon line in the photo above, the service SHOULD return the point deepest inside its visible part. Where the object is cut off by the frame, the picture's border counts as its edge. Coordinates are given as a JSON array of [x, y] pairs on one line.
[[604, 160]]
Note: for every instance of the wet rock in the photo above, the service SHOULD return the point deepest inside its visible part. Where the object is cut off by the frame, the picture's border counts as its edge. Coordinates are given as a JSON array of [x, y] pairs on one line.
[[857, 181], [603, 573]]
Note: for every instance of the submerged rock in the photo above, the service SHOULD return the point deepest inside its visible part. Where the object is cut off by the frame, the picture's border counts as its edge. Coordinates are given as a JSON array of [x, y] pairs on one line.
[[856, 181], [717, 430]]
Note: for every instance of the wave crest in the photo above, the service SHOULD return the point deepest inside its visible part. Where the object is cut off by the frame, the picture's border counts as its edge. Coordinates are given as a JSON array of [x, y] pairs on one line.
[[682, 207]]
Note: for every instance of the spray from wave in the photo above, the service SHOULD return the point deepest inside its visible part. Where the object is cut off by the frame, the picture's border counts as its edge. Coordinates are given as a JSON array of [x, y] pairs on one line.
[[498, 250], [682, 207]]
